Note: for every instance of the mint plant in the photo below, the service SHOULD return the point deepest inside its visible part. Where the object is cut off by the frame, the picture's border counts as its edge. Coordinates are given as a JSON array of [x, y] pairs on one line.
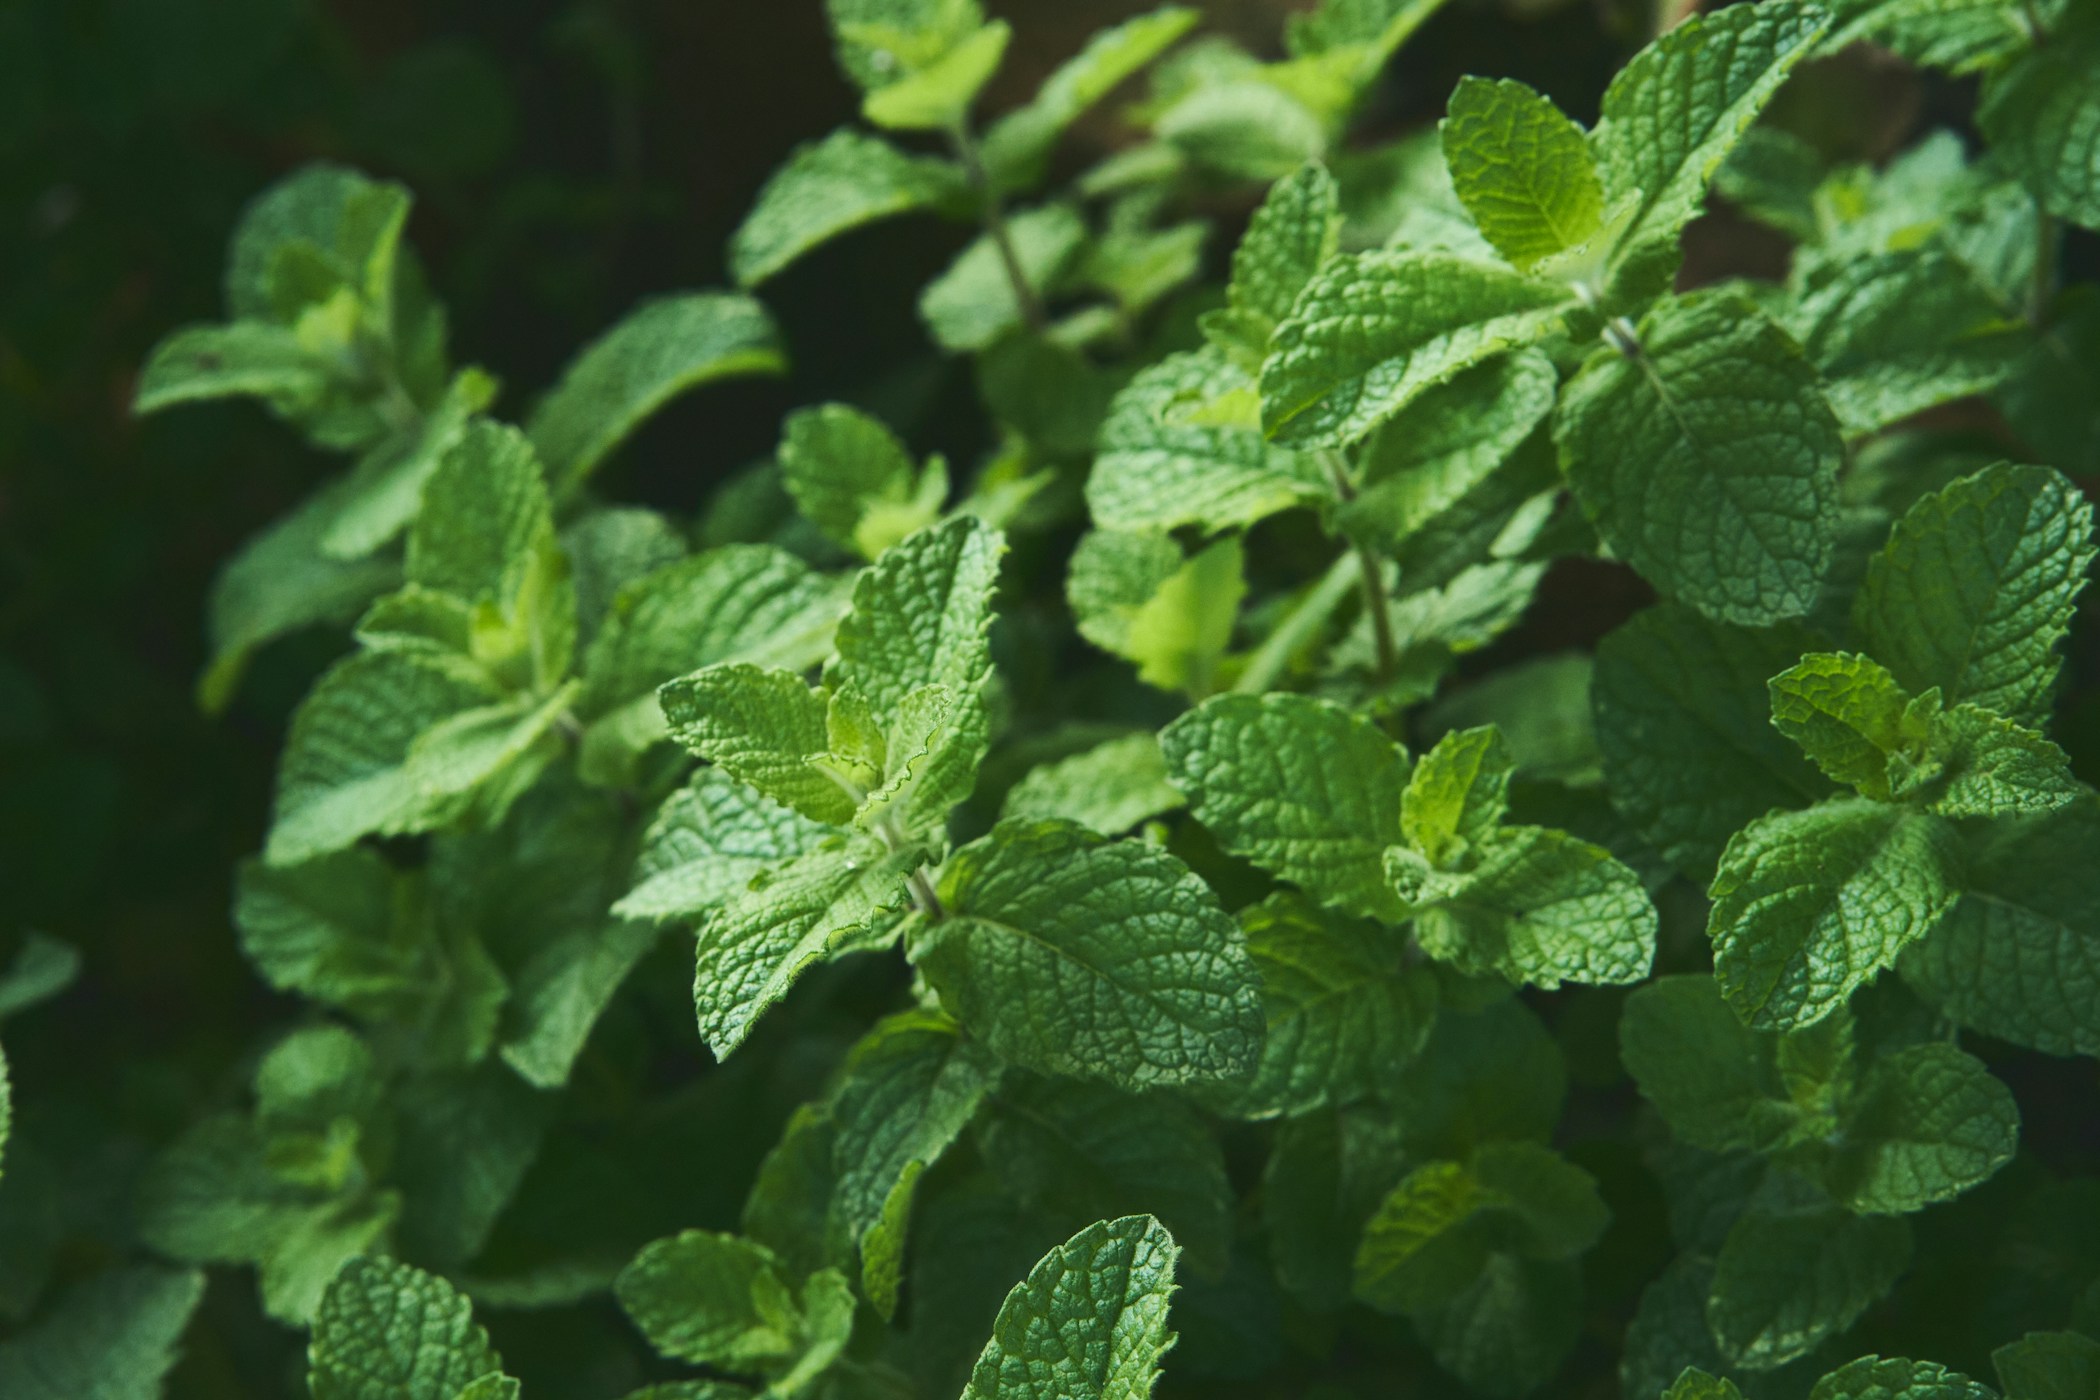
[[1157, 919]]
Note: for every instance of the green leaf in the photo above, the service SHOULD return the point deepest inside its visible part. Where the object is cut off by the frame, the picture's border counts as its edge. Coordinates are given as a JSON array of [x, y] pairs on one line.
[[1457, 795], [1109, 788], [1071, 1151], [1019, 143], [1790, 1277], [2042, 115], [113, 1337], [1108, 960], [1327, 1172], [1089, 1320], [1489, 1073], [1993, 767], [2016, 958], [1672, 114], [1810, 905], [42, 968], [1708, 459], [1684, 726], [753, 947], [251, 358], [1927, 1124], [1958, 35], [1897, 333], [1895, 1378], [1714, 1080], [881, 41], [712, 1300], [662, 349], [939, 95], [972, 304], [1522, 170], [2049, 1366], [1847, 714], [1374, 330], [1509, 1332], [1138, 596], [764, 727], [1244, 128], [830, 187], [855, 481], [709, 840], [345, 771], [385, 490], [484, 510], [1167, 459], [1695, 1384], [387, 1331], [1305, 789], [351, 223], [1289, 239], [1977, 585]]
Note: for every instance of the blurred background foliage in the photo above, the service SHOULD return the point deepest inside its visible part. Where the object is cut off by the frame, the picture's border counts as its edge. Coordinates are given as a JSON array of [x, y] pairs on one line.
[[567, 159]]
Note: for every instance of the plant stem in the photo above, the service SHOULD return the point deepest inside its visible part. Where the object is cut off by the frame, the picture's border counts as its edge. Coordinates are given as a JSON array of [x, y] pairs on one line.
[[1281, 645], [996, 227], [1376, 602]]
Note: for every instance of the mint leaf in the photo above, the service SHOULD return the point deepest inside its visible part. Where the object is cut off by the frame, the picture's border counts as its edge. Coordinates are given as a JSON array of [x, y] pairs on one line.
[[1958, 35], [485, 509], [662, 349], [713, 1300], [1019, 143], [854, 480], [881, 41], [1810, 905], [1674, 112], [938, 96], [1458, 794], [1304, 789], [1168, 459], [1708, 459], [1109, 788], [113, 1337], [709, 840], [1508, 1332], [2048, 1366], [1244, 128], [1138, 596], [972, 304], [830, 187], [1926, 1124], [251, 358], [2016, 957], [1994, 767], [1695, 1384], [1847, 713], [765, 728], [1374, 330], [754, 946], [387, 1331], [1289, 239], [1522, 170], [2042, 116], [1792, 1274], [1714, 1080], [1895, 1378], [1107, 960], [1976, 586], [1090, 1319], [1344, 1013]]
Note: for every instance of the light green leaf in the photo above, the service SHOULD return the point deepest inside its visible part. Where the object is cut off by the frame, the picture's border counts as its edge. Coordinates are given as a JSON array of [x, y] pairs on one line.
[[1709, 459], [484, 510], [1522, 170], [1993, 767], [1977, 585], [1244, 128], [1672, 114], [1810, 905], [1847, 714], [712, 1300], [2049, 1366], [1019, 143], [1136, 595], [1895, 1378], [1374, 330], [345, 771], [562, 990], [939, 95], [252, 358], [1897, 333], [764, 727], [851, 476], [1714, 1080], [1089, 1320], [972, 304], [1958, 35], [1296, 230], [662, 349], [387, 1331], [709, 840], [42, 967], [113, 1337], [2042, 115], [881, 41], [1457, 795], [830, 187], [1684, 727], [1344, 1013], [1534, 905], [1788, 1278], [1109, 788], [349, 222], [1305, 789], [1167, 459], [753, 947], [1927, 1124], [1695, 1384], [1108, 960], [2017, 957]]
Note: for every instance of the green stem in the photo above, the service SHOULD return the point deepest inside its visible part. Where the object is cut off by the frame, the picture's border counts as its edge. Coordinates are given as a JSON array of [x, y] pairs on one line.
[[1376, 602], [996, 227], [1275, 653]]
